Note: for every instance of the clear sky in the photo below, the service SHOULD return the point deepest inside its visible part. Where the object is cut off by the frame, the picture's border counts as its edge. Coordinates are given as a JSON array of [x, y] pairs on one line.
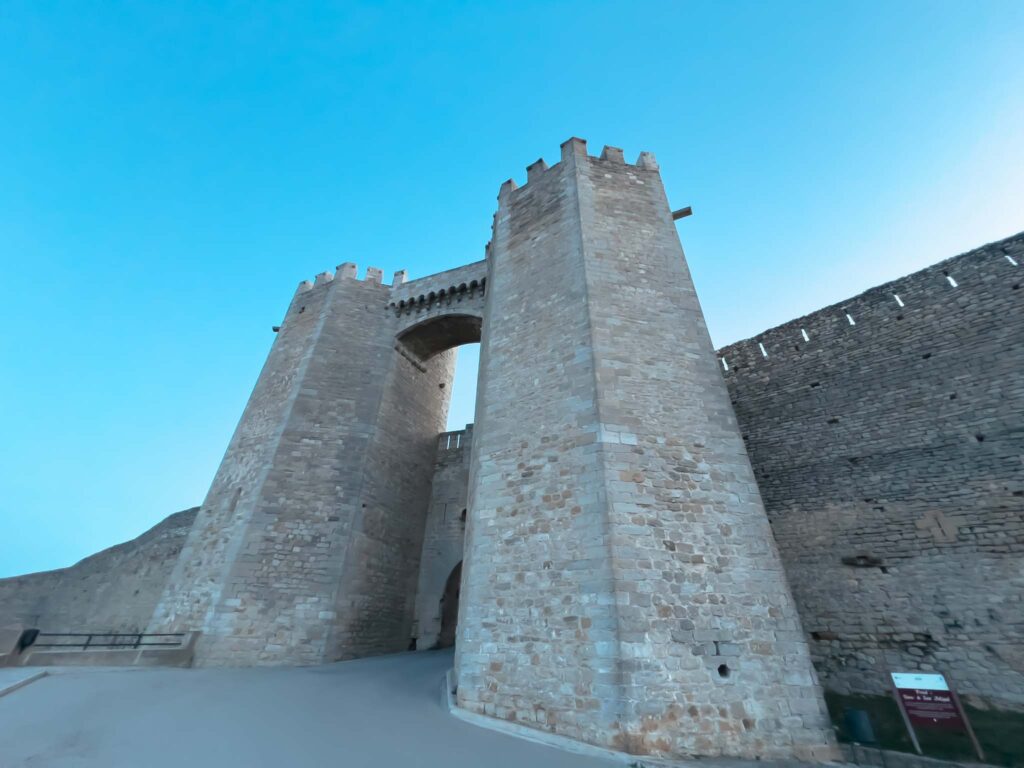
[[170, 171]]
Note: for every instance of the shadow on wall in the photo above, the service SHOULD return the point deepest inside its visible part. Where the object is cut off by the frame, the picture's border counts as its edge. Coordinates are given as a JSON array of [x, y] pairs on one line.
[[450, 608]]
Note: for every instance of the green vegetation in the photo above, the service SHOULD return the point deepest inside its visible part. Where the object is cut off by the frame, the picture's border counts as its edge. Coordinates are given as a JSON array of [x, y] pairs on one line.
[[1001, 733]]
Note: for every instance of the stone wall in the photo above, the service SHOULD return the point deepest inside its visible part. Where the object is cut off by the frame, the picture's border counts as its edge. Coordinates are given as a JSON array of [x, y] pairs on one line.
[[112, 591], [620, 586], [307, 546], [445, 533], [375, 600], [887, 437]]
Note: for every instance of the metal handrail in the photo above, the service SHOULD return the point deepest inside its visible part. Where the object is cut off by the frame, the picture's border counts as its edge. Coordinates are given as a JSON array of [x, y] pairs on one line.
[[120, 640]]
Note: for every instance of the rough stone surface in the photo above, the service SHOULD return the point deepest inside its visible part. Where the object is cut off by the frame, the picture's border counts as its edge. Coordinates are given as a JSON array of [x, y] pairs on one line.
[[443, 539], [621, 585], [112, 591], [890, 454], [307, 546]]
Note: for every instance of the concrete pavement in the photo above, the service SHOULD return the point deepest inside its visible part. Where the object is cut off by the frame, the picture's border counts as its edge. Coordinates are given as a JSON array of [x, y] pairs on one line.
[[384, 711]]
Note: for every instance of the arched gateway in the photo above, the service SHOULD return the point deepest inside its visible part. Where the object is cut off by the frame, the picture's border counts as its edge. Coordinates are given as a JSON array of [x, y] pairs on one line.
[[617, 553]]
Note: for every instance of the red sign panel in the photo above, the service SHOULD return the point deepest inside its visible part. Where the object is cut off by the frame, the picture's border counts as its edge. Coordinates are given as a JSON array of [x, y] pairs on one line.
[[928, 701], [931, 709]]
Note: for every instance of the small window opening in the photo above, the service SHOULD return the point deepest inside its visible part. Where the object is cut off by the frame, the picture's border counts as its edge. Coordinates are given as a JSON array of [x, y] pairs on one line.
[[804, 334], [725, 365], [898, 299], [723, 670], [980, 438], [850, 319], [951, 281], [760, 346]]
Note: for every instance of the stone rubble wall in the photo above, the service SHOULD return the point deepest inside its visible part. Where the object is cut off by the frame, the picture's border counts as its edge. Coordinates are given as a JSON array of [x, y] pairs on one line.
[[444, 538], [890, 454], [112, 591]]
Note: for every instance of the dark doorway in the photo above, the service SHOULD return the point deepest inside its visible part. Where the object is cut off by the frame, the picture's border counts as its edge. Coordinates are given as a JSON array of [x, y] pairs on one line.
[[450, 608]]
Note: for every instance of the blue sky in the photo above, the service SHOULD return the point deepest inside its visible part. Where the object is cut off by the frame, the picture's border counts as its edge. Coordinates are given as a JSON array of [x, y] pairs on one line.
[[170, 171]]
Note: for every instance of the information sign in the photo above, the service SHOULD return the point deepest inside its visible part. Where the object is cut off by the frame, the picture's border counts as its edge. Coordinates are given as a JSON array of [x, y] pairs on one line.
[[927, 701]]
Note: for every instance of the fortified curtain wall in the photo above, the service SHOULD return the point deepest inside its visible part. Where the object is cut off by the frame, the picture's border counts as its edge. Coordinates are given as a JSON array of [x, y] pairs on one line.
[[887, 437], [114, 590]]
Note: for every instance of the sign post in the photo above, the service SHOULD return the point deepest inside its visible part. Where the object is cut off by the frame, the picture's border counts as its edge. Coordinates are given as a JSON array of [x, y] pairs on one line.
[[926, 701], [967, 724], [903, 712]]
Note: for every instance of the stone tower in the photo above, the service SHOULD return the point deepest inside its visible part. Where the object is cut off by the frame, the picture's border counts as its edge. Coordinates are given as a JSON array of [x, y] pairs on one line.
[[620, 582], [621, 585], [306, 548]]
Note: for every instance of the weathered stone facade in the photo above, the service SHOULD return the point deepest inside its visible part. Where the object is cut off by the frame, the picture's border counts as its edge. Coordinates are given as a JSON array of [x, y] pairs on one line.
[[445, 534], [620, 580], [114, 590], [621, 585], [889, 447], [307, 547]]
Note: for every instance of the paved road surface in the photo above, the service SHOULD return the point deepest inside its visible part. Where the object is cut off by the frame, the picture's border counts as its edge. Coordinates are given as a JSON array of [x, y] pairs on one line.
[[376, 713]]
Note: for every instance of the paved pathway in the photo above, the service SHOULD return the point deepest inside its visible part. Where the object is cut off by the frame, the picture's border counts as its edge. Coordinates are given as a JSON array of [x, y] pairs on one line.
[[373, 713]]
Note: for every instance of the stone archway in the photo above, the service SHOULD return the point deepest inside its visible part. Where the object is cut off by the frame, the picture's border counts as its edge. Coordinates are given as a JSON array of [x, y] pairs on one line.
[[449, 607], [439, 333], [426, 334]]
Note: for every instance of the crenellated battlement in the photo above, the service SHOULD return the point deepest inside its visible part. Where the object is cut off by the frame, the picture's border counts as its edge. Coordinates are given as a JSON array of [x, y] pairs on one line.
[[959, 282], [453, 286], [886, 438], [411, 296], [575, 148], [455, 441], [346, 271]]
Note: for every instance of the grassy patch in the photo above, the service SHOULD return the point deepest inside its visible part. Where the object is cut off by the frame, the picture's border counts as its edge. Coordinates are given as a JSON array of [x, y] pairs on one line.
[[1001, 733]]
